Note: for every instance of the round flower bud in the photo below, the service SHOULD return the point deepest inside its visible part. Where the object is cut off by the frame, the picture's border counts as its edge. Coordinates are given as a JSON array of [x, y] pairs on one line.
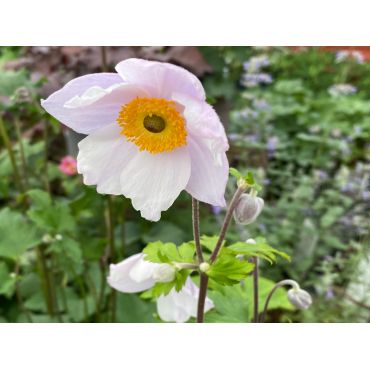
[[248, 209], [47, 239], [58, 237], [163, 273], [204, 266], [299, 298]]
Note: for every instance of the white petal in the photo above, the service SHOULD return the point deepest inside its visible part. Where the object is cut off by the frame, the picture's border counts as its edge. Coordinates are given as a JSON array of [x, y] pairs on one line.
[[154, 181], [160, 79], [90, 102], [120, 277], [180, 306], [102, 157], [209, 176]]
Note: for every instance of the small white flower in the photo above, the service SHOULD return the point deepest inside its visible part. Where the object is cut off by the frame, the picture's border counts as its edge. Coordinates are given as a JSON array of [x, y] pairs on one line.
[[134, 274]]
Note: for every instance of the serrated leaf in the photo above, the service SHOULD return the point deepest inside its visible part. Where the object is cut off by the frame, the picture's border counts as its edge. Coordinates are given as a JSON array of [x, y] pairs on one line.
[[209, 242], [228, 270], [159, 252], [261, 249], [16, 235]]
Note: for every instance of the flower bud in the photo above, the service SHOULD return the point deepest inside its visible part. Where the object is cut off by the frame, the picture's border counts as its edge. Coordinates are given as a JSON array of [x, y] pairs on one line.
[[204, 266], [47, 239], [164, 273], [58, 237], [299, 298], [248, 209]]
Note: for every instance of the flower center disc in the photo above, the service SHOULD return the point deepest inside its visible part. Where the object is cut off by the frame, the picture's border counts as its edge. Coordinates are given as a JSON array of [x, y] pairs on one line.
[[153, 124]]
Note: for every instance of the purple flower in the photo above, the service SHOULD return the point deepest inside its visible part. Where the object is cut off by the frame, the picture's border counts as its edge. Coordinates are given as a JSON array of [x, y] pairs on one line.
[[255, 79], [261, 104], [329, 294], [216, 210], [255, 63], [272, 144]]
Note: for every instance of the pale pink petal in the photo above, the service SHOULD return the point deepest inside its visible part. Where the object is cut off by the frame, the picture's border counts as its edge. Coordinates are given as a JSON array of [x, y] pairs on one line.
[[203, 121], [209, 175], [160, 79], [154, 181], [132, 275], [90, 102], [102, 157]]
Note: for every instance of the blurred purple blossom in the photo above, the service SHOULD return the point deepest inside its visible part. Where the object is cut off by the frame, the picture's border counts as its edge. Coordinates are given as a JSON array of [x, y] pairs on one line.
[[255, 79], [216, 210], [272, 144], [254, 64], [261, 104], [329, 294]]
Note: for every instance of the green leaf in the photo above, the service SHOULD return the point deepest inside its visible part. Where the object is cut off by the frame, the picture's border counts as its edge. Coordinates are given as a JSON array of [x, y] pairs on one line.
[[7, 282], [261, 249], [39, 198], [164, 288], [159, 252], [234, 304], [69, 247], [53, 217], [228, 270], [209, 242], [16, 235]]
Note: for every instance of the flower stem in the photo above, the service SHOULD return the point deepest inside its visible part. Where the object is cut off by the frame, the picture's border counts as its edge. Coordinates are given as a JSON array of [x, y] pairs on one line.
[[255, 289], [273, 290], [13, 161], [46, 143], [45, 280], [196, 232], [203, 277], [202, 297], [234, 201], [21, 150], [19, 295]]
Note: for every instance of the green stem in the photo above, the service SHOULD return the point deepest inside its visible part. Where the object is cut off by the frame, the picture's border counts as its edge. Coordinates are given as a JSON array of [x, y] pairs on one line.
[[255, 289], [104, 64], [21, 150], [13, 161], [46, 143], [273, 290], [45, 278], [19, 294]]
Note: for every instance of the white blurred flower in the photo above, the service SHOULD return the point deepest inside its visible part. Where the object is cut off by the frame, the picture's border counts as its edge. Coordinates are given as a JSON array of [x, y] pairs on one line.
[[134, 274], [342, 89]]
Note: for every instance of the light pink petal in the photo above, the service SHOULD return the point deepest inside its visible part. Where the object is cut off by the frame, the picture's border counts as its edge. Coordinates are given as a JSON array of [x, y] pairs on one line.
[[132, 275], [203, 121], [209, 175], [160, 79], [102, 157], [154, 181], [90, 102]]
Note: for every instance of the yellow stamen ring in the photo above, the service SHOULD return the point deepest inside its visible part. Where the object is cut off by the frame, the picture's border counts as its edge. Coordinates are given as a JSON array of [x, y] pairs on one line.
[[153, 124]]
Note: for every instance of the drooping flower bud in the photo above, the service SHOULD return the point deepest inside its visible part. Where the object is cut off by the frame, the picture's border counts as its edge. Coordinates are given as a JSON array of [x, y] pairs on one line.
[[164, 273], [248, 209], [299, 298]]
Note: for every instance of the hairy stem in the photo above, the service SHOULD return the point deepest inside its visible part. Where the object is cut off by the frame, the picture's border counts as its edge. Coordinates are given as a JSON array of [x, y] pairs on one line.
[[202, 297], [234, 201], [255, 289], [196, 232], [104, 64]]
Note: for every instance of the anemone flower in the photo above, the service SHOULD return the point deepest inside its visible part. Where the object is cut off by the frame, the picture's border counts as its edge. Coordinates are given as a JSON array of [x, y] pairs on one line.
[[151, 134], [134, 274]]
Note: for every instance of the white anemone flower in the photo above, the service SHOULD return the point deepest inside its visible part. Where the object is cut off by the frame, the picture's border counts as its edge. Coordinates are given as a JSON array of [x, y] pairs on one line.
[[134, 274], [151, 134]]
